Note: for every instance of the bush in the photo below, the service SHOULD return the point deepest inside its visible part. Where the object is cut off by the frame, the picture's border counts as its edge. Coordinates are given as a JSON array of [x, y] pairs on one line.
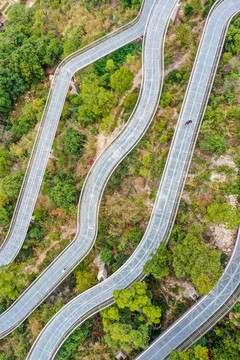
[[40, 214], [63, 194], [107, 257], [73, 142], [130, 101], [71, 44], [173, 77], [4, 217], [121, 80], [85, 280], [225, 214], [166, 99], [214, 144], [11, 186], [5, 162], [188, 10]]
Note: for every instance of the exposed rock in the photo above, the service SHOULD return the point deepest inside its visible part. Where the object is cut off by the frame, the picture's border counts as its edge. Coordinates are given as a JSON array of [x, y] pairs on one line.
[[53, 156], [98, 261], [120, 355], [232, 199], [191, 292], [51, 77], [225, 160], [102, 274], [16, 167], [73, 89], [2, 127], [217, 177], [8, 136], [186, 197], [223, 239]]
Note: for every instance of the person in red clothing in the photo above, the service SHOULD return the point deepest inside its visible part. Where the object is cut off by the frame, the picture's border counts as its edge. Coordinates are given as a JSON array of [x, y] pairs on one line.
[[188, 122]]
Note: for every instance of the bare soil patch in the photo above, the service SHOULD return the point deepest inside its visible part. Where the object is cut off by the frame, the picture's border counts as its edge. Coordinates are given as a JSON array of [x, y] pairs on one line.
[[225, 160], [222, 238]]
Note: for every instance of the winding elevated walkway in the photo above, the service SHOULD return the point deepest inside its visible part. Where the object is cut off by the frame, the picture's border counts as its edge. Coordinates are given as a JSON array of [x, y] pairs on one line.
[[99, 173], [212, 307], [48, 126], [166, 204]]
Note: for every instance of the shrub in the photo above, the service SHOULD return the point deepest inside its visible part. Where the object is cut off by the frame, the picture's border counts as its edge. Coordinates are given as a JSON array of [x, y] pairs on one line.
[[165, 99], [63, 194], [4, 216], [121, 80], [225, 214], [214, 144], [71, 44], [107, 257], [188, 10], [73, 142], [11, 185]]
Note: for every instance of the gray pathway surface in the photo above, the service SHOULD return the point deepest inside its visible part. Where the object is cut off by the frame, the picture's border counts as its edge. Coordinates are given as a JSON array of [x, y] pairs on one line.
[[94, 184], [50, 119], [202, 316], [101, 295], [205, 313], [163, 215]]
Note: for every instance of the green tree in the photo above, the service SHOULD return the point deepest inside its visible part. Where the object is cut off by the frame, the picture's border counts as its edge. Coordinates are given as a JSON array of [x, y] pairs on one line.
[[121, 80], [131, 3], [71, 44], [123, 330], [73, 341], [85, 280], [64, 194], [158, 265], [232, 43], [123, 336], [11, 186], [224, 214], [107, 257], [73, 142], [4, 216], [53, 51], [201, 353], [192, 258], [198, 353], [94, 100], [175, 355], [11, 280], [5, 162], [137, 298], [5, 102], [110, 66]]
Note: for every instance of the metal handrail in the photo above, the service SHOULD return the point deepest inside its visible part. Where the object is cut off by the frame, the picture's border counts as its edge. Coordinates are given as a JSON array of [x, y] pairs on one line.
[[58, 71], [140, 276], [69, 270], [235, 295]]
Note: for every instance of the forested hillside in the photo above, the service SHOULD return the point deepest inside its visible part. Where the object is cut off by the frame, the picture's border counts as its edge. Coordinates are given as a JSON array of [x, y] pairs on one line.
[[97, 107]]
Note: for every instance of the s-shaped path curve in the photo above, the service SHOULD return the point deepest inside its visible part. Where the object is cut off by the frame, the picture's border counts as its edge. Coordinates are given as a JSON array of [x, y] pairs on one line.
[[202, 316], [100, 296], [103, 167], [94, 183], [50, 119]]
